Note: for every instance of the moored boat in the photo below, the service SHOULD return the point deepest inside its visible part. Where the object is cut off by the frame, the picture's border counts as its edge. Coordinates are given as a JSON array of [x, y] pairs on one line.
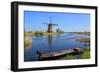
[[47, 55]]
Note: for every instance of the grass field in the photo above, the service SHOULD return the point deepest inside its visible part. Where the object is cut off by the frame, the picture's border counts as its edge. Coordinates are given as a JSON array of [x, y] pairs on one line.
[[41, 33]]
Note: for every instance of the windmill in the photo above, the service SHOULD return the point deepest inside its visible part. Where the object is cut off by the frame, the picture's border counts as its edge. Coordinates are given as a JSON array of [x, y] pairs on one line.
[[50, 26]]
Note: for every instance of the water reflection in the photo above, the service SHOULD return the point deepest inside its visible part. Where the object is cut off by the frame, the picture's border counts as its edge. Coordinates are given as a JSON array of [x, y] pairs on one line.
[[50, 41]]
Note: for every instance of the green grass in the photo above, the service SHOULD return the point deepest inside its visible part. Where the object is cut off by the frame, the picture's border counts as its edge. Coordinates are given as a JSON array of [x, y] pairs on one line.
[[27, 42], [84, 55], [85, 33], [68, 57], [53, 33], [38, 33], [87, 40]]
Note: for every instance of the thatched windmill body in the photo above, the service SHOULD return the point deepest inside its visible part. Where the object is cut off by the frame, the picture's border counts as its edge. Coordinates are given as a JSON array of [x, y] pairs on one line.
[[50, 26]]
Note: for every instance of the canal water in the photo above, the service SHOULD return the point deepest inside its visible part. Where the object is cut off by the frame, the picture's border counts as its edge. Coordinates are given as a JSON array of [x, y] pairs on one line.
[[52, 43]]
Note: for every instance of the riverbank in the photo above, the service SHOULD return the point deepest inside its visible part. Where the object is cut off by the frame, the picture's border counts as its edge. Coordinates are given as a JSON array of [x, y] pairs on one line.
[[41, 33], [53, 33], [27, 41], [85, 33], [84, 55], [84, 40]]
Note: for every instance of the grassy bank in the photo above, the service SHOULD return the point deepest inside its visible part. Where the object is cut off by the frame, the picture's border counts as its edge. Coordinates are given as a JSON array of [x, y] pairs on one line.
[[84, 55], [52, 33], [85, 33], [27, 41], [41, 33], [86, 40]]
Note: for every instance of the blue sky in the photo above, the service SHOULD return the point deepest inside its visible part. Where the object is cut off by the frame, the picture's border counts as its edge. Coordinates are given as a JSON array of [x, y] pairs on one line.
[[68, 22]]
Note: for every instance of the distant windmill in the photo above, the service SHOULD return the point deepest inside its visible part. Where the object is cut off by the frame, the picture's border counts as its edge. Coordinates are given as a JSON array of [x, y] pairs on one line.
[[50, 26]]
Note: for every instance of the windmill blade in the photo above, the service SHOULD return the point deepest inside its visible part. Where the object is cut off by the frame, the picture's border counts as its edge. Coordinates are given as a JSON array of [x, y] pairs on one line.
[[50, 19], [55, 24], [45, 23]]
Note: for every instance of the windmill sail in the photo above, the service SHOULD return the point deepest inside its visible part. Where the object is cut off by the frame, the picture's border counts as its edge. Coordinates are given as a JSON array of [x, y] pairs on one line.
[[50, 26]]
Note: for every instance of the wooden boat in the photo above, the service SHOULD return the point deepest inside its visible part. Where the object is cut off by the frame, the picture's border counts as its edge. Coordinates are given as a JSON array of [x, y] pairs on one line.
[[46, 55]]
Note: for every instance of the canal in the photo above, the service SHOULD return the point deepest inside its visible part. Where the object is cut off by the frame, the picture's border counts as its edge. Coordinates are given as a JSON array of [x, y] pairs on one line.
[[52, 43]]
